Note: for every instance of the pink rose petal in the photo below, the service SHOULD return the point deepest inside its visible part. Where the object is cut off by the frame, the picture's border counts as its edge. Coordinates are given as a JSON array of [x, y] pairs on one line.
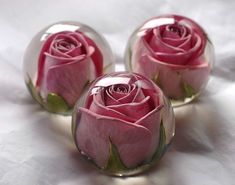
[[135, 95], [197, 77], [94, 131], [175, 42], [99, 108], [151, 121], [172, 77], [134, 110], [68, 80], [62, 67], [157, 45], [41, 60], [97, 56]]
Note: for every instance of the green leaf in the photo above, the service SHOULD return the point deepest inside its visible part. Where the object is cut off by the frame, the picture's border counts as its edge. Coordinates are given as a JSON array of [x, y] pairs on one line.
[[33, 91], [56, 103], [188, 90], [161, 145], [114, 163]]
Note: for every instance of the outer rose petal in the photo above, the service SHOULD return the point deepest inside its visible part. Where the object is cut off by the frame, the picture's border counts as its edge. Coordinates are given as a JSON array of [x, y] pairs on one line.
[[41, 60], [67, 80], [169, 79], [42, 56], [149, 67], [152, 121], [196, 77], [93, 133], [97, 56], [169, 76], [168, 118]]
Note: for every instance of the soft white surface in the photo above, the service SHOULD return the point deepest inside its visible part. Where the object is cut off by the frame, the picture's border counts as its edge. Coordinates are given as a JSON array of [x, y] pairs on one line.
[[37, 149]]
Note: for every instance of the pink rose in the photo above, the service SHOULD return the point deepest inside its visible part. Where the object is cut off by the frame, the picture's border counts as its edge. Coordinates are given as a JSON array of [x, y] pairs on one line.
[[125, 110], [175, 52], [68, 61]]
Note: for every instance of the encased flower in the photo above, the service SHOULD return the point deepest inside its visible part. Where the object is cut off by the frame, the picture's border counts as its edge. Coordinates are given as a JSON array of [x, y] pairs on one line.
[[125, 124], [67, 62], [68, 57], [173, 51]]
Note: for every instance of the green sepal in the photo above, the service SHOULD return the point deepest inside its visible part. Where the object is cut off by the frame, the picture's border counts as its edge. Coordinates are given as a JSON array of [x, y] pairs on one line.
[[161, 145], [73, 129], [188, 90], [156, 79], [106, 67], [75, 119], [33, 91], [129, 53], [74, 123], [114, 163], [56, 103]]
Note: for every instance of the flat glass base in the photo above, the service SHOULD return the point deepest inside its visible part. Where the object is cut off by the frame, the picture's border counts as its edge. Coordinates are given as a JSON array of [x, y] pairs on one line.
[[181, 102], [127, 172]]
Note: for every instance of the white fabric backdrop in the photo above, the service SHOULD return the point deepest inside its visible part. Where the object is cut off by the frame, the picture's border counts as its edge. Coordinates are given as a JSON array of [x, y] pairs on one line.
[[37, 149]]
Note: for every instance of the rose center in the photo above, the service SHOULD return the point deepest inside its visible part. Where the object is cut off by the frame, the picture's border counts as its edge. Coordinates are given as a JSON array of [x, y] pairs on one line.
[[65, 44], [121, 88], [175, 29]]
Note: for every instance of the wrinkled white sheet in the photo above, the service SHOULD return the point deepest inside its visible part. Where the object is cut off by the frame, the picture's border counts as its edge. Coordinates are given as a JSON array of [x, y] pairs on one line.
[[36, 148]]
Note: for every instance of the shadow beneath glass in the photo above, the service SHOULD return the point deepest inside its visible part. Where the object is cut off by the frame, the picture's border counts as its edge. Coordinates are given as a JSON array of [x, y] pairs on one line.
[[225, 68], [197, 126]]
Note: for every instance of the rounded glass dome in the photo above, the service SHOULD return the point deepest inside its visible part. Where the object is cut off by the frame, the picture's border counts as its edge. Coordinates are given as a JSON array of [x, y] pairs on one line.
[[173, 51], [61, 61], [125, 124]]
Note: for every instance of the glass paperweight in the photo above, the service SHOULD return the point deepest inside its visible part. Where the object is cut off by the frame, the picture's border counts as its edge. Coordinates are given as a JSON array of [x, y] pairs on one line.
[[124, 125], [174, 52], [61, 61]]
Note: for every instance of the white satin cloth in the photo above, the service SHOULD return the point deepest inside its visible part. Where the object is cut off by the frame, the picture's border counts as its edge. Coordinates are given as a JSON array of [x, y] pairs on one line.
[[36, 148]]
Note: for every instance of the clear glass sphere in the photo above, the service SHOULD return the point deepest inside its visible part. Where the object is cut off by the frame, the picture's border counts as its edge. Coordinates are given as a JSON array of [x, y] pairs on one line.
[[173, 51], [125, 124], [61, 61]]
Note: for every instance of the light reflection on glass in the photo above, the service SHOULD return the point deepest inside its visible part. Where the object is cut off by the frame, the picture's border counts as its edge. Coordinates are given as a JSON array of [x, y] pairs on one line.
[[158, 22], [132, 181]]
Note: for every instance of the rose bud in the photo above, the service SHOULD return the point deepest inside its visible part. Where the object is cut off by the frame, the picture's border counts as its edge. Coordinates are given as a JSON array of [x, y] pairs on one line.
[[61, 61], [124, 125], [173, 51]]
